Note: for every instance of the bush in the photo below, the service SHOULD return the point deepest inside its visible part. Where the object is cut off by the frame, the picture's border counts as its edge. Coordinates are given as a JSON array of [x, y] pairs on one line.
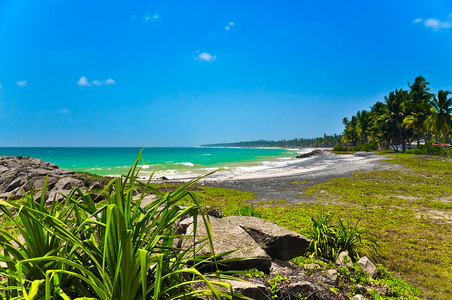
[[365, 147], [339, 147], [434, 150], [328, 239], [121, 250]]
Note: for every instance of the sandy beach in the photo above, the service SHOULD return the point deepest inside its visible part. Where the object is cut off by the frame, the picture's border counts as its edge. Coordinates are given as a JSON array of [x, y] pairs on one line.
[[277, 183]]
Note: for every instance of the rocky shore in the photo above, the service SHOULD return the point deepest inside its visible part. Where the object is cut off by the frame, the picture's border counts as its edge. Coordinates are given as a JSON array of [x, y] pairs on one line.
[[19, 175]]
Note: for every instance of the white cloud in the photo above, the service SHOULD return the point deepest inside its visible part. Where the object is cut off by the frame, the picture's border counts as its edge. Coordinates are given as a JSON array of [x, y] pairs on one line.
[[22, 83], [229, 26], [83, 81], [207, 57], [149, 17], [435, 24]]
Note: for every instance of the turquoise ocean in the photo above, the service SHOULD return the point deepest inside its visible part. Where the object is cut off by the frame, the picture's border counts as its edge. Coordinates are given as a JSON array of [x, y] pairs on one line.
[[173, 163]]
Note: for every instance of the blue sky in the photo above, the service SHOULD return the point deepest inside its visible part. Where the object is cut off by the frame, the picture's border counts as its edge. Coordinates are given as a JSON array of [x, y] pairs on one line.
[[185, 73]]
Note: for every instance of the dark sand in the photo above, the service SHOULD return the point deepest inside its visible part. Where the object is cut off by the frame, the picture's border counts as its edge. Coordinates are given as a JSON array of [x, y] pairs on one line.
[[278, 183]]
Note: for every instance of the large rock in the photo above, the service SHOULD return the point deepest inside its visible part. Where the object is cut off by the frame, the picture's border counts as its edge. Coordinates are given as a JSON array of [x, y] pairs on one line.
[[16, 183], [256, 239], [67, 183], [38, 181], [227, 236], [6, 178], [277, 241]]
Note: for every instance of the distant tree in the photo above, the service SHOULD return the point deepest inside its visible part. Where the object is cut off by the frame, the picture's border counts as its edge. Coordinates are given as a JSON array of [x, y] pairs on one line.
[[394, 114], [440, 119], [350, 134], [418, 106]]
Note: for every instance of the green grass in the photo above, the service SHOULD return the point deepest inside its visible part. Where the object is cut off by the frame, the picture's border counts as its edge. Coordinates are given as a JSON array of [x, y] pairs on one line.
[[408, 211]]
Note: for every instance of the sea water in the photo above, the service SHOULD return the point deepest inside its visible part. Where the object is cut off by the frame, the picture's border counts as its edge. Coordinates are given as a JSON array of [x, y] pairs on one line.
[[172, 163]]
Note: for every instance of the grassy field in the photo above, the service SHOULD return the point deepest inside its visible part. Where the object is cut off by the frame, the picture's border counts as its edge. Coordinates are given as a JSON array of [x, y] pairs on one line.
[[408, 210]]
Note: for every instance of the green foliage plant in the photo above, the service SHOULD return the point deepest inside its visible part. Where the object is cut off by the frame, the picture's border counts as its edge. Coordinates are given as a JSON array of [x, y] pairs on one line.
[[275, 284], [329, 239], [124, 249]]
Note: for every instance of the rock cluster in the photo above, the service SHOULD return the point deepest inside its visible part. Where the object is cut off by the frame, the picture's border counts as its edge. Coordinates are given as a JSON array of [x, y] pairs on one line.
[[20, 175], [310, 154], [267, 248]]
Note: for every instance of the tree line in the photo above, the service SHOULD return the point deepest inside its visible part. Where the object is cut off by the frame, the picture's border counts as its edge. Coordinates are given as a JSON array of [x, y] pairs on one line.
[[325, 141], [405, 117]]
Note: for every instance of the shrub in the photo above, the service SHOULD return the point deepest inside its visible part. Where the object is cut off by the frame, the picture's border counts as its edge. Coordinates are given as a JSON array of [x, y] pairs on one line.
[[339, 147], [328, 239], [434, 150], [121, 250], [365, 147]]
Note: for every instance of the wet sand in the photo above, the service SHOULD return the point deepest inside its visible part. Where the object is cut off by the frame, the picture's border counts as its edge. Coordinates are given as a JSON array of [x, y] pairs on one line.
[[277, 183]]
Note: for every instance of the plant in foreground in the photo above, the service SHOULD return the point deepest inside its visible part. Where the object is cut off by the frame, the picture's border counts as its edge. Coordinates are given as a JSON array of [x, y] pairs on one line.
[[122, 250]]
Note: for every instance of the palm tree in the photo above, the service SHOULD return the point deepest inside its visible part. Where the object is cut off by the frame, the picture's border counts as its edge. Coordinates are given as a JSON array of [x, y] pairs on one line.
[[350, 134], [440, 119], [363, 125], [395, 114], [417, 122], [419, 104]]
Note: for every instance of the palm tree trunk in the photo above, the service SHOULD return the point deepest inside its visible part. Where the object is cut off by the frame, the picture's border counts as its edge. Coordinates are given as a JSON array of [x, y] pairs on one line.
[[403, 141], [426, 143], [447, 137]]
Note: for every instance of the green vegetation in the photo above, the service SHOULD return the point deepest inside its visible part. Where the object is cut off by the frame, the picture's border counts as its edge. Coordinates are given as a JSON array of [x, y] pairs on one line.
[[121, 250], [275, 284], [404, 117], [328, 239], [384, 286], [325, 141], [408, 210], [364, 147]]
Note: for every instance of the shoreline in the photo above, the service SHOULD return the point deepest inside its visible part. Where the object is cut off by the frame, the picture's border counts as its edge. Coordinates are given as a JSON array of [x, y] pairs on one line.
[[288, 182]]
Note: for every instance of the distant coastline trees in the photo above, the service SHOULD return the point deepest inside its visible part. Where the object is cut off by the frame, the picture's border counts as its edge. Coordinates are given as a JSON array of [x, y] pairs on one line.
[[403, 118], [325, 141]]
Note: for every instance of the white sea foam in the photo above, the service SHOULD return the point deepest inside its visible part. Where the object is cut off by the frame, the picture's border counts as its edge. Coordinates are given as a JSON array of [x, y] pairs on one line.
[[188, 164]]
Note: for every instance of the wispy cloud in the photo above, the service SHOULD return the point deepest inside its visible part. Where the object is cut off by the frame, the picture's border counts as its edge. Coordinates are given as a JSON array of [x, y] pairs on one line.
[[435, 24], [84, 82], [63, 111], [206, 57], [149, 17], [22, 83], [229, 26]]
